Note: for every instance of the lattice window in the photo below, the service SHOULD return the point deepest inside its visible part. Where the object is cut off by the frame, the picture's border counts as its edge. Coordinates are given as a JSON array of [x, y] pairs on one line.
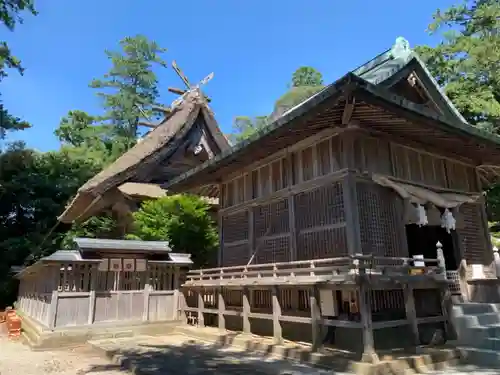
[[271, 218], [319, 221], [271, 227], [319, 207], [380, 221], [235, 226], [235, 255], [473, 236]]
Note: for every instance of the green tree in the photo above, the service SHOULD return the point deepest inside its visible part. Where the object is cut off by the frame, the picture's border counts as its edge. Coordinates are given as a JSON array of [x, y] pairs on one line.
[[244, 127], [130, 87], [467, 64], [182, 220], [11, 12], [306, 81], [34, 189], [467, 60], [83, 137], [10, 15], [307, 76]]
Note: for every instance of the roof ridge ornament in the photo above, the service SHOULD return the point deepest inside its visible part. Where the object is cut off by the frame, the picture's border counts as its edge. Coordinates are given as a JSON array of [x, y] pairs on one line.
[[401, 48]]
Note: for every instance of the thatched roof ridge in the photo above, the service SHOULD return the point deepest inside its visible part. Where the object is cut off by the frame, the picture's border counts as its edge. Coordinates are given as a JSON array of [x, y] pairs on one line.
[[155, 145]]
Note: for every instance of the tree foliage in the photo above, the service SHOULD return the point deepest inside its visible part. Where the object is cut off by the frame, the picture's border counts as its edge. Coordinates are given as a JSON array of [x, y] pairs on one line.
[[182, 220], [467, 64], [467, 61], [305, 82], [11, 12], [130, 87], [34, 189], [306, 76]]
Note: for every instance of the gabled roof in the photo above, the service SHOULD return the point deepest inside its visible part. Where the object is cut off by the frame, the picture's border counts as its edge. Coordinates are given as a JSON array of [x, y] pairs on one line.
[[377, 109], [397, 63], [158, 144]]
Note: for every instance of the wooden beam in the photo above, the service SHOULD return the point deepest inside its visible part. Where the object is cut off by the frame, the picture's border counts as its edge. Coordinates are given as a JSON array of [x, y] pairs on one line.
[[147, 124], [177, 91], [348, 110], [160, 108]]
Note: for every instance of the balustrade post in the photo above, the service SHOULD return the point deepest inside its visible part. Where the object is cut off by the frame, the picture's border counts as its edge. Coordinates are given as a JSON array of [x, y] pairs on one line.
[[277, 330], [221, 307], [92, 295], [315, 318], [440, 257], [496, 260], [201, 307], [246, 311]]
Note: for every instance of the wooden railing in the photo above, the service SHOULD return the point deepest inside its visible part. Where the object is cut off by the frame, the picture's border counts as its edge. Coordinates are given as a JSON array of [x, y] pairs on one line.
[[314, 271]]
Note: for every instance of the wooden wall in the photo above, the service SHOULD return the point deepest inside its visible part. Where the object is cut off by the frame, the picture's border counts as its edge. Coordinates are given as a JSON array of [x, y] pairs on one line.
[[292, 205]]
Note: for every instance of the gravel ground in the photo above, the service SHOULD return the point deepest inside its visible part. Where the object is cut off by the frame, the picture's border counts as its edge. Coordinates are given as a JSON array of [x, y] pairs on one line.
[[18, 359]]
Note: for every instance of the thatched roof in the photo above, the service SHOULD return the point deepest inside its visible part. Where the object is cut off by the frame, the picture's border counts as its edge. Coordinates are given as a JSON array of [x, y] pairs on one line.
[[154, 147]]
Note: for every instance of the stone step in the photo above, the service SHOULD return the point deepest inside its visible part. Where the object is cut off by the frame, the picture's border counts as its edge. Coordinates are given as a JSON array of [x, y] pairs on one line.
[[480, 357], [491, 343], [478, 320], [475, 308]]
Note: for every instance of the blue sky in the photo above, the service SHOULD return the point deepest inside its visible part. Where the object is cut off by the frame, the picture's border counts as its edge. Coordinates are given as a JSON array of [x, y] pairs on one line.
[[253, 47]]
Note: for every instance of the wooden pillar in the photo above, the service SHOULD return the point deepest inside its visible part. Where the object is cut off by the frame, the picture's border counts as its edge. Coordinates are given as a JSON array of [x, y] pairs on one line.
[[365, 310], [291, 210], [411, 313], [221, 309], [251, 233], [93, 287], [246, 311], [277, 330], [52, 314], [201, 307], [222, 203], [315, 318], [351, 214]]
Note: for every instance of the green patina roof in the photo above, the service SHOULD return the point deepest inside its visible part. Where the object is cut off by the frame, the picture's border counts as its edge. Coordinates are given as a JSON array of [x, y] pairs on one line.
[[382, 68]]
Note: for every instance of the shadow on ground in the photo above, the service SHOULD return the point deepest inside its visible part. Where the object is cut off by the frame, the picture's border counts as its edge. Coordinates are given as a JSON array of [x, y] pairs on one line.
[[191, 357]]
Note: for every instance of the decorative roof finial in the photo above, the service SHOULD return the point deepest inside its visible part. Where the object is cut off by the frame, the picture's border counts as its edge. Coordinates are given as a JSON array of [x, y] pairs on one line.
[[401, 48]]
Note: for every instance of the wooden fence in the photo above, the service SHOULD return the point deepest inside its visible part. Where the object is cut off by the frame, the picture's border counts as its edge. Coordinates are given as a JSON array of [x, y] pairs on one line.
[[67, 309]]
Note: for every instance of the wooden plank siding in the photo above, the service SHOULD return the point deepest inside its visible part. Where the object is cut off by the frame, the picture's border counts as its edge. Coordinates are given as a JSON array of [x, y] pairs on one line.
[[256, 203], [71, 294]]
